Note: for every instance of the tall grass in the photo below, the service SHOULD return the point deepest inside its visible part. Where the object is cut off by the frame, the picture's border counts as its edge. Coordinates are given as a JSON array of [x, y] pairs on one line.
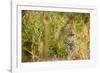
[[51, 36]]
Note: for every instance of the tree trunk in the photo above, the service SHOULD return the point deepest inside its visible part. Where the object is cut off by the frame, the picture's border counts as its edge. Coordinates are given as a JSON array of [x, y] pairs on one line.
[[45, 49]]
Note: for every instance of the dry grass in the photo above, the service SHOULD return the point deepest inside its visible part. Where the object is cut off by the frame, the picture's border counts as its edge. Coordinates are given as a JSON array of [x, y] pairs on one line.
[[55, 36]]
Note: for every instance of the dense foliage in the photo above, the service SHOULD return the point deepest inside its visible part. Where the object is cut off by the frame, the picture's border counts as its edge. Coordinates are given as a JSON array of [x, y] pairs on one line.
[[55, 36]]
